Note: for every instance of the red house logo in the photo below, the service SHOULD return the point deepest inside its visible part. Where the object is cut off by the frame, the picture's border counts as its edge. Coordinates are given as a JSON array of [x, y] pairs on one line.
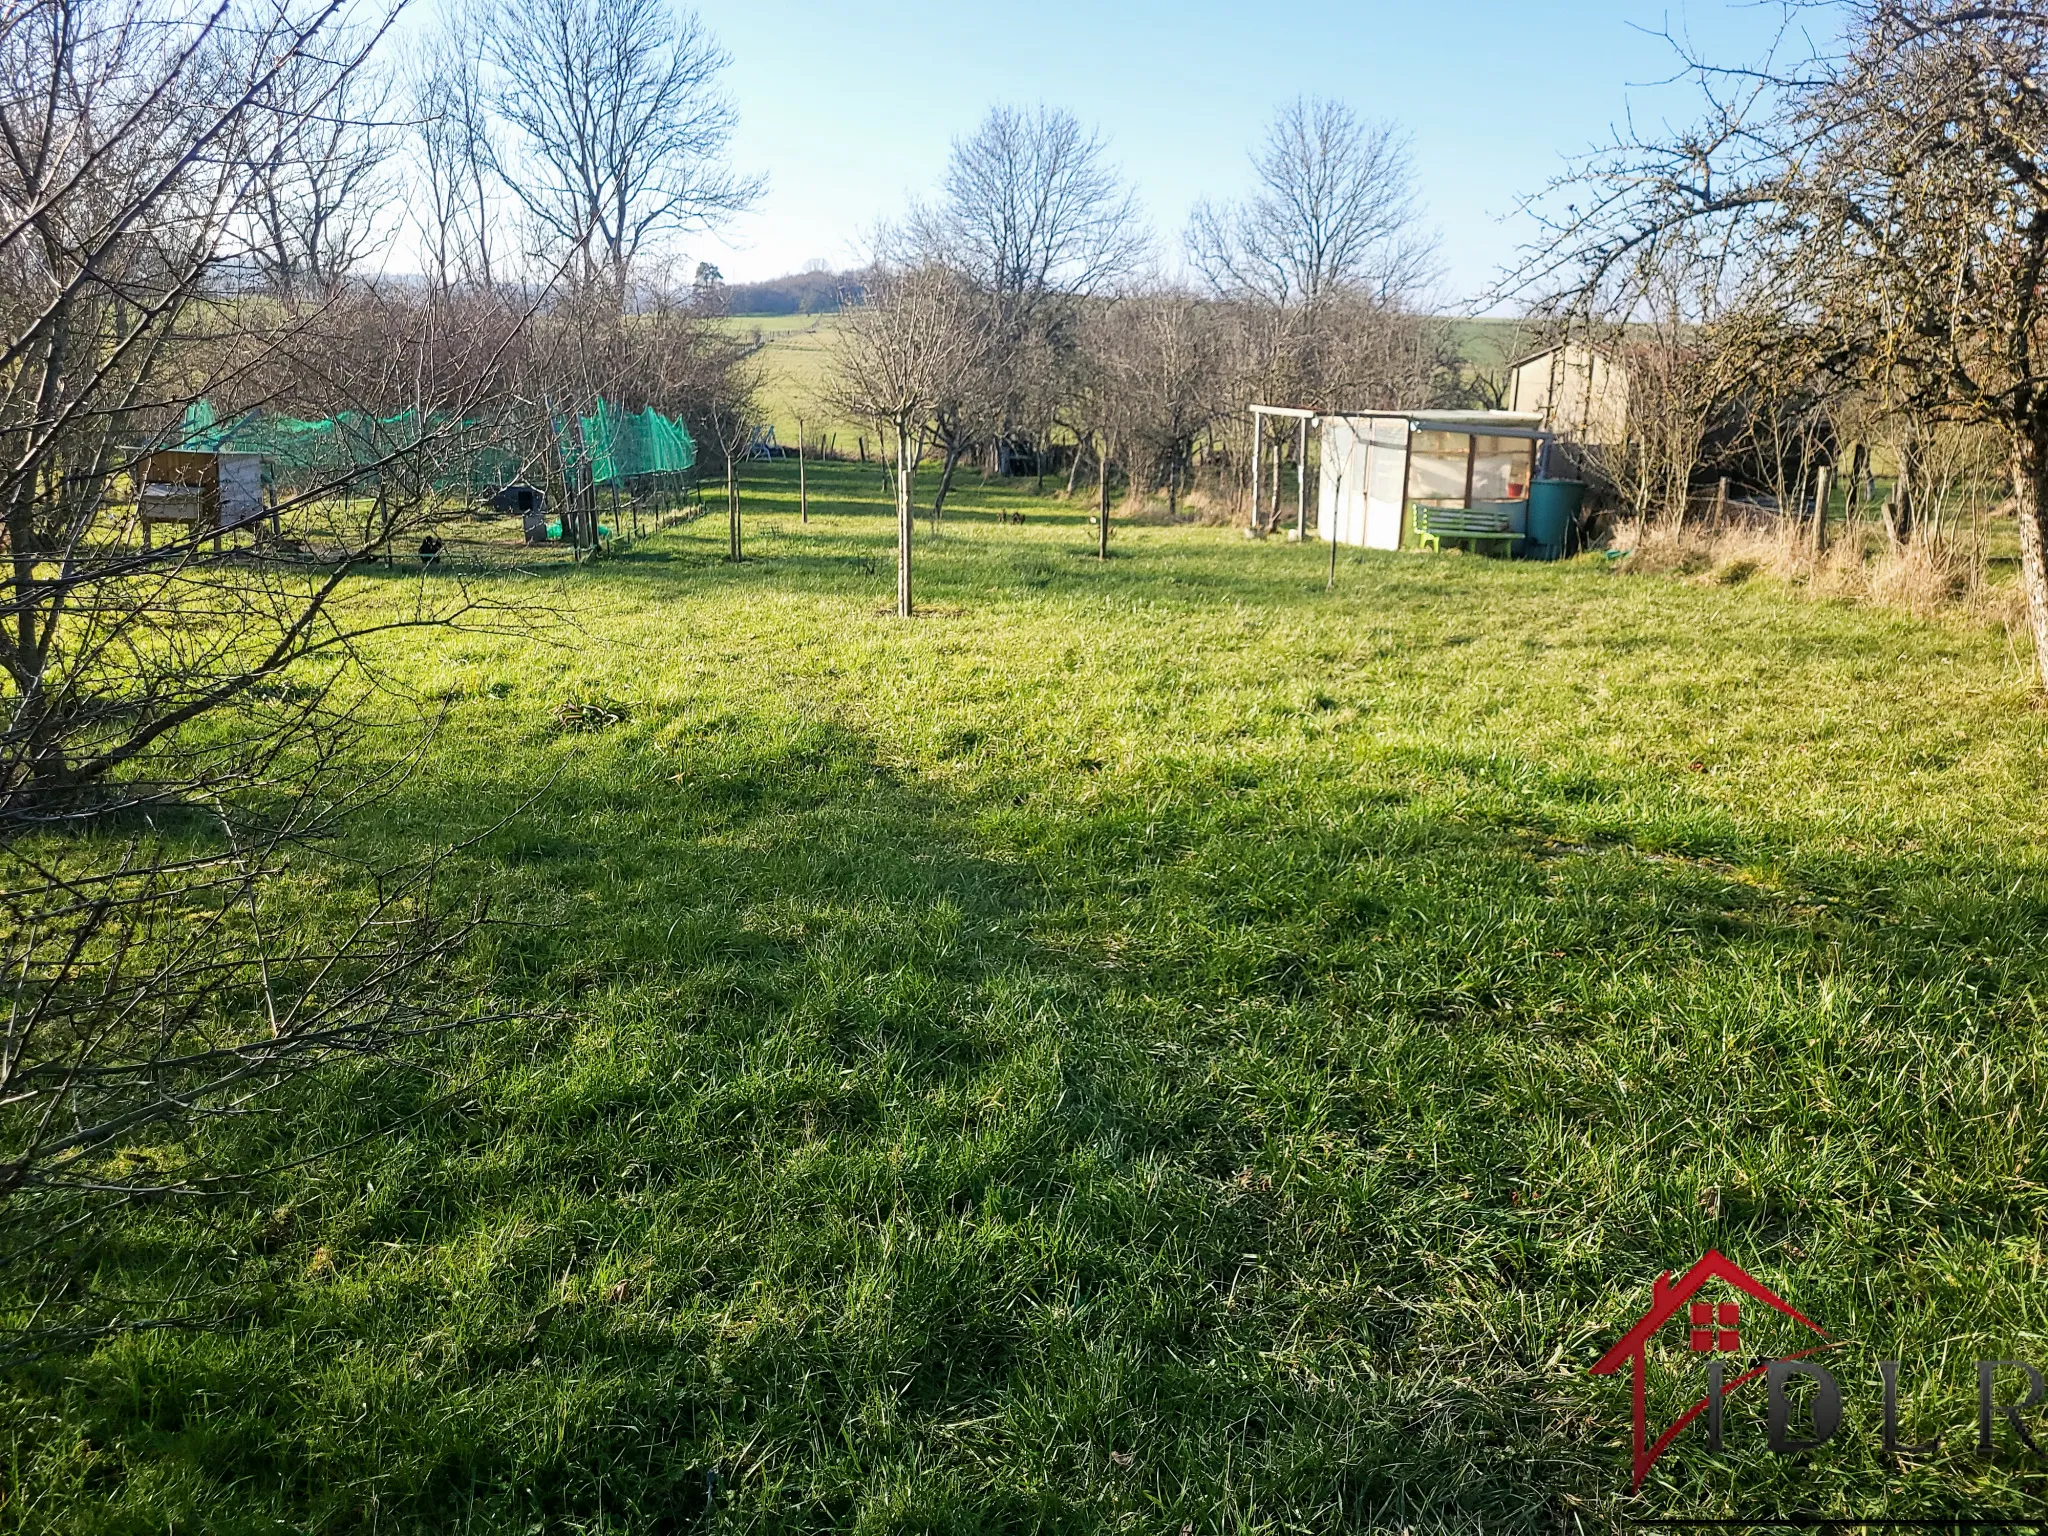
[[1713, 1328]]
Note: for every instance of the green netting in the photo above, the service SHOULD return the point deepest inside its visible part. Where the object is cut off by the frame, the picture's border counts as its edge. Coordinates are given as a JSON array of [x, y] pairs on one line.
[[618, 446], [470, 454]]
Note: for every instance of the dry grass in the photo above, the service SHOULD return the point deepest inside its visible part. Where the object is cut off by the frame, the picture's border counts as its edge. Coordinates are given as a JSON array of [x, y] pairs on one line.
[[1928, 577], [1200, 507]]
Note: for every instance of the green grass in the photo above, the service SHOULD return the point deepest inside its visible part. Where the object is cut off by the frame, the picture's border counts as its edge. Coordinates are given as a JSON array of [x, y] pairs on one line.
[[795, 363], [1491, 344], [1148, 1046]]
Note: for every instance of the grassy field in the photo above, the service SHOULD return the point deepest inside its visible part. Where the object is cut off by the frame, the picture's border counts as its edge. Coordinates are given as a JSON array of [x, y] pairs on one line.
[[1149, 1046], [794, 359]]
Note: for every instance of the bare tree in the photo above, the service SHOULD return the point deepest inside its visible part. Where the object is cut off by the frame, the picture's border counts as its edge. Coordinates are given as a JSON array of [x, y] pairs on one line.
[[456, 182], [319, 184], [622, 130], [1031, 212], [1033, 216], [163, 742], [1892, 194], [1321, 265], [1160, 356], [1335, 211]]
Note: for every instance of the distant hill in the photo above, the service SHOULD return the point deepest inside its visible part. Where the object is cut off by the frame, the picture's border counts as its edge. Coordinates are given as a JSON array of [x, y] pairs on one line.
[[800, 293]]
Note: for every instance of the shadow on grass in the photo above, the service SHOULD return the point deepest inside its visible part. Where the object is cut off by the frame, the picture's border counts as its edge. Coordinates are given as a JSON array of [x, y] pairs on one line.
[[883, 1147]]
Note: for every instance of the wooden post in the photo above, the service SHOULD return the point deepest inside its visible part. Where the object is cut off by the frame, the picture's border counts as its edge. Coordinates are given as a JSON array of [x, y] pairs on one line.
[[732, 506], [1301, 486], [1721, 503], [1258, 464], [1102, 512], [903, 523], [1823, 487], [1279, 466], [803, 484], [1336, 513]]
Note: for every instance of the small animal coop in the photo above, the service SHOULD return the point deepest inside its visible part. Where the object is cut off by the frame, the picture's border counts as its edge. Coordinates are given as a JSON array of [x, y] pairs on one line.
[[1383, 471], [207, 492]]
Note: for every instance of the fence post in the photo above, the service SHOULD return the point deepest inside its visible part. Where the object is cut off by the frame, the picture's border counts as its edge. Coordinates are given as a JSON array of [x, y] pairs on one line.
[[732, 503], [1822, 488], [1102, 524]]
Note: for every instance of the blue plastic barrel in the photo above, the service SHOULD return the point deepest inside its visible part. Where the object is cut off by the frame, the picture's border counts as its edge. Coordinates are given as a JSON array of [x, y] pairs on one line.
[[1553, 509]]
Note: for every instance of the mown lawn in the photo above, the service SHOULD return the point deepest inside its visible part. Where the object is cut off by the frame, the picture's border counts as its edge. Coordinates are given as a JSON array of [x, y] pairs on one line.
[[1151, 1047]]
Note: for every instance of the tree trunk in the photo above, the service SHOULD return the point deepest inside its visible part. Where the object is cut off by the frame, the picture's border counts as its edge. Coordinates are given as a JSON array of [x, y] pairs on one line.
[[1173, 485], [1337, 503], [2030, 493], [903, 521], [803, 484], [1258, 466], [1074, 469], [1301, 485], [945, 481], [1900, 522]]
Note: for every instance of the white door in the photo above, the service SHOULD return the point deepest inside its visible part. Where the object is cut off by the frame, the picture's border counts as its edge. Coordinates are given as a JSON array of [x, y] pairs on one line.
[[1387, 473]]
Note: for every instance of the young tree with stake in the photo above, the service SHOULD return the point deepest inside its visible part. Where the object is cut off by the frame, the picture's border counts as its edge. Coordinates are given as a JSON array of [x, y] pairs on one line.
[[900, 353]]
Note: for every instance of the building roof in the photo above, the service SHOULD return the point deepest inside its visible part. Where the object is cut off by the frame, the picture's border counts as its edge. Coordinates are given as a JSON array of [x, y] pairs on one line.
[[1476, 421], [1599, 349]]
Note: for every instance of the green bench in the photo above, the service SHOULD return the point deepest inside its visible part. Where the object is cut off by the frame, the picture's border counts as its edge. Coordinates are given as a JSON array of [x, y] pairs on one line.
[[1472, 525]]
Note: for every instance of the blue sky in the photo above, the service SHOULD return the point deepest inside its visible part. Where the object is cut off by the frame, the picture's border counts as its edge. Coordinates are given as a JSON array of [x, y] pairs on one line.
[[850, 110]]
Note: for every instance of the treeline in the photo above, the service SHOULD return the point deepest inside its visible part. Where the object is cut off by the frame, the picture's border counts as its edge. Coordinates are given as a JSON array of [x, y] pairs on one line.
[[1020, 321], [800, 293]]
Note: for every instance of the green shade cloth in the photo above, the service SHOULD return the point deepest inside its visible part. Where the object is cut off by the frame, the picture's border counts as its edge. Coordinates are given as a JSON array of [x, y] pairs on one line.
[[615, 445]]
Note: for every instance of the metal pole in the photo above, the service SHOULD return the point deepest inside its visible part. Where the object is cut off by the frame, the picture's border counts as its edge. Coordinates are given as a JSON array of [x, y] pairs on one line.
[[1258, 464], [1301, 486]]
